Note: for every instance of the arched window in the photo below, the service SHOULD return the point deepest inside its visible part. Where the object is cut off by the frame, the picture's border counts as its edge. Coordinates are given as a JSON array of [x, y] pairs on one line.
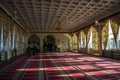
[[111, 41], [65, 43]]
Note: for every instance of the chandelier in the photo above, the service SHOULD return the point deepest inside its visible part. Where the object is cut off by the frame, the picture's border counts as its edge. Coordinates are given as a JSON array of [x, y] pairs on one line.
[[58, 27]]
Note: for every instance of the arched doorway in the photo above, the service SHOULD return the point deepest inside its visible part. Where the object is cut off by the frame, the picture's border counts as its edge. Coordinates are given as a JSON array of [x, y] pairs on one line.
[[34, 40], [49, 43]]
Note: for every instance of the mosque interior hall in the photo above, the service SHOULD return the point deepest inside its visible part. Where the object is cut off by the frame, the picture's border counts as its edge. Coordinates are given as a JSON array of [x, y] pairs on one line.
[[59, 39]]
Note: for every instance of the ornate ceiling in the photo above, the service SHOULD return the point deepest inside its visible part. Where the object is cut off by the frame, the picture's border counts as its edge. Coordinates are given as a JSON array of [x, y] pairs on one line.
[[66, 15]]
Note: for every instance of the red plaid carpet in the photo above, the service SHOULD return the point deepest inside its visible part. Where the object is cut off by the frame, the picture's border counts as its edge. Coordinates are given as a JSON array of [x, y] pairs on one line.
[[62, 66]]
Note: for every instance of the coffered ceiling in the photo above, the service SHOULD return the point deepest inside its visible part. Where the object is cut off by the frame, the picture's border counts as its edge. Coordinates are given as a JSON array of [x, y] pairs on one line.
[[67, 15]]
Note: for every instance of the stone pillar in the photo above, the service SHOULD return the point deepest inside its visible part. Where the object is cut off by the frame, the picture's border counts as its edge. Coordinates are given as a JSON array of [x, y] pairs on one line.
[[100, 40]]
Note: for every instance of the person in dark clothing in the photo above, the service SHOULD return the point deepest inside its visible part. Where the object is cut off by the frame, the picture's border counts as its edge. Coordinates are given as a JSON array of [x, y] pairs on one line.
[[29, 51], [35, 50], [55, 48]]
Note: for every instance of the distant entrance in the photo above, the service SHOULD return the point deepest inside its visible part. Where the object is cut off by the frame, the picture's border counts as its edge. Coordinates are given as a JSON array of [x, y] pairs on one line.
[[49, 44], [34, 40]]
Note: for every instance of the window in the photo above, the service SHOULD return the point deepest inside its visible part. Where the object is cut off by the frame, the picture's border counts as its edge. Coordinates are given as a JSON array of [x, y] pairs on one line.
[[1, 38], [111, 41], [79, 42], [9, 40], [90, 41], [81, 45], [13, 39], [118, 39], [6, 44], [23, 41], [83, 41], [65, 43], [17, 41]]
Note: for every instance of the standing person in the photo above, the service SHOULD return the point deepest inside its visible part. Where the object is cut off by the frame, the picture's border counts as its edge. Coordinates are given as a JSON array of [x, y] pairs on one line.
[[35, 50], [31, 48]]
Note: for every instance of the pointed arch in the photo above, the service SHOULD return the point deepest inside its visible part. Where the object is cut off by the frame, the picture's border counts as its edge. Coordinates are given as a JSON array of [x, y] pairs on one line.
[[105, 34], [66, 42], [49, 43], [111, 45], [115, 28], [33, 39]]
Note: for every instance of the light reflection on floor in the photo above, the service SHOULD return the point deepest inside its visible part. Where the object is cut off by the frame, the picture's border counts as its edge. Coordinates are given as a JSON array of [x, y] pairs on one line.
[[89, 65]]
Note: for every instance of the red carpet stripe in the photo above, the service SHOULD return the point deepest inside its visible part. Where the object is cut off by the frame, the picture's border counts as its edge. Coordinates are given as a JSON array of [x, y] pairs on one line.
[[11, 71], [52, 70], [30, 72], [41, 73]]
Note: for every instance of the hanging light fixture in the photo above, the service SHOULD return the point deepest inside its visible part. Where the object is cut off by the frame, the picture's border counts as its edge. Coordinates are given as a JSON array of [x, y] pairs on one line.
[[96, 22], [58, 27]]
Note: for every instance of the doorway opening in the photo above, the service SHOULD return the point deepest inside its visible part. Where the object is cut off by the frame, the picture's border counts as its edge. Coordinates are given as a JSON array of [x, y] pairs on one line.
[[49, 44], [34, 41]]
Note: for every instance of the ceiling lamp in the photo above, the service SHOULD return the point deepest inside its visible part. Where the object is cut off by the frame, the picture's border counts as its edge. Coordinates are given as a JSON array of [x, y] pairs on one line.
[[58, 27], [96, 22]]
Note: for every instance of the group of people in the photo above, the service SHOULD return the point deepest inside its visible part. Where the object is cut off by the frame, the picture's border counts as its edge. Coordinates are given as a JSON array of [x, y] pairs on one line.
[[51, 49], [32, 49]]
